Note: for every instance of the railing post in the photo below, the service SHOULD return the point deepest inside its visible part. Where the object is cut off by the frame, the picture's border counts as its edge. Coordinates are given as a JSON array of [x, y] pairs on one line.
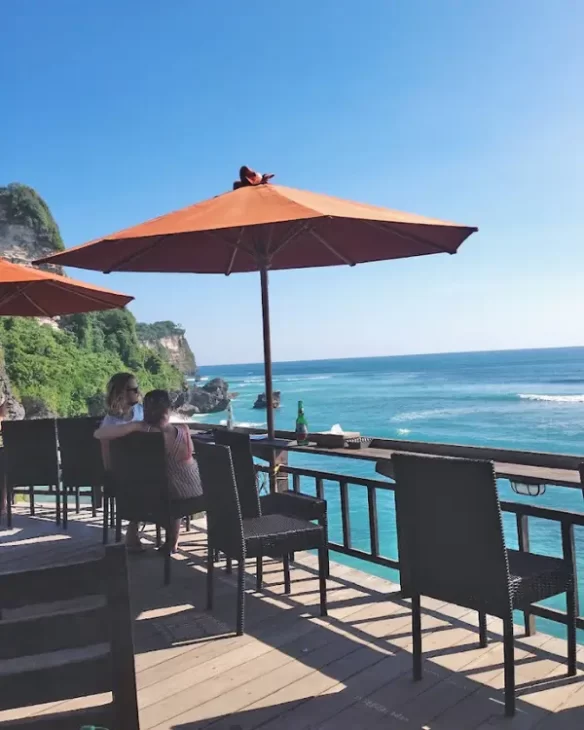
[[573, 602], [281, 478], [569, 553], [523, 539], [373, 532], [345, 515], [296, 483], [319, 488]]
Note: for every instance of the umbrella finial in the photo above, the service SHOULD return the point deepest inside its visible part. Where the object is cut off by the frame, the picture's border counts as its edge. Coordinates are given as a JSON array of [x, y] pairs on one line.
[[248, 177]]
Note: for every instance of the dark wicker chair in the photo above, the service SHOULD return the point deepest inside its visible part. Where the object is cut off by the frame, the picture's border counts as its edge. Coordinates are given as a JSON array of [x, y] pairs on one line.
[[138, 473], [240, 538], [290, 503], [77, 652], [82, 472], [31, 460], [452, 548]]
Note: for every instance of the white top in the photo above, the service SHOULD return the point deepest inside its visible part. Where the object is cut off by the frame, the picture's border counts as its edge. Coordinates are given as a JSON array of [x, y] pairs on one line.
[[137, 415]]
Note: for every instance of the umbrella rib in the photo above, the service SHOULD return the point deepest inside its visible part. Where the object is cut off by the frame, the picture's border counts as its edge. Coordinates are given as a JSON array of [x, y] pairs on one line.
[[9, 296], [237, 245], [234, 254], [331, 248], [136, 254], [36, 304], [84, 295], [408, 236], [21, 292], [303, 227], [231, 263]]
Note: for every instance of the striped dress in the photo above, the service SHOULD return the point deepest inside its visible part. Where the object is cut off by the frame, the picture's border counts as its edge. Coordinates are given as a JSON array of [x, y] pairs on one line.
[[184, 481]]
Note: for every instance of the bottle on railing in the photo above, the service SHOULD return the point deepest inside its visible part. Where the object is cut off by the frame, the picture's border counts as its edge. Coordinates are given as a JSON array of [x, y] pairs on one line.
[[230, 417], [301, 426]]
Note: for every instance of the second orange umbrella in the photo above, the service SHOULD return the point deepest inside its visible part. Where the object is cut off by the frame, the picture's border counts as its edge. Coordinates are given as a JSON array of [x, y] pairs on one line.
[[27, 292]]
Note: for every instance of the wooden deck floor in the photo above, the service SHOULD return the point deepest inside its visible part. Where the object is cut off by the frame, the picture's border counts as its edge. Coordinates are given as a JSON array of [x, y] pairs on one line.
[[294, 670]]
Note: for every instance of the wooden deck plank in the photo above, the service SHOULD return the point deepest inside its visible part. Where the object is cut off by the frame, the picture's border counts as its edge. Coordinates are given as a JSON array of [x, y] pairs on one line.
[[284, 701], [294, 669], [332, 701], [258, 679]]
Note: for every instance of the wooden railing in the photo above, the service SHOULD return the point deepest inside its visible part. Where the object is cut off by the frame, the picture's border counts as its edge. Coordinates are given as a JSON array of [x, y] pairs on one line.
[[522, 511]]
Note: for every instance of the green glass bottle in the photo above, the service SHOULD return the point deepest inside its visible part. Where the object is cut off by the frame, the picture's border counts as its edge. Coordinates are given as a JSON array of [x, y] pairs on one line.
[[301, 426]]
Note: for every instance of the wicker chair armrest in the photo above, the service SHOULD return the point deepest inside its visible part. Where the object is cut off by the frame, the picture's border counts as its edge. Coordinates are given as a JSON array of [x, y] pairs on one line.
[[293, 504]]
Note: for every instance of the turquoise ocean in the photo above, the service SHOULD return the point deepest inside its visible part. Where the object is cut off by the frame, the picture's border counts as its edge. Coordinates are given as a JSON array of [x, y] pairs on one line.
[[523, 399]]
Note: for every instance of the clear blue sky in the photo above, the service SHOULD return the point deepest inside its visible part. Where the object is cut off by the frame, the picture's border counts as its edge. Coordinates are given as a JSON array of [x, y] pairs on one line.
[[465, 110]]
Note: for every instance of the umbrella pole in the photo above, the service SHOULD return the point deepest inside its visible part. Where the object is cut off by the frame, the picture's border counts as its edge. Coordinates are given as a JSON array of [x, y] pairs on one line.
[[268, 370], [267, 351]]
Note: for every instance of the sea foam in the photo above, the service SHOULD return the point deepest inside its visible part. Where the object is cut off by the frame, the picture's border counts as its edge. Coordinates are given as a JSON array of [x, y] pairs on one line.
[[553, 398], [243, 424]]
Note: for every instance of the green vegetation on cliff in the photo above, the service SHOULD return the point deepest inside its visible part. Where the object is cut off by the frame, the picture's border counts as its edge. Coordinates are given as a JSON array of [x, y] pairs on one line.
[[23, 205], [158, 330], [68, 368]]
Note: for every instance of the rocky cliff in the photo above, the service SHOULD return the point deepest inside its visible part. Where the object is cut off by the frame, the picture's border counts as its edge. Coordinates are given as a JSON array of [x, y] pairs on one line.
[[27, 228], [170, 341]]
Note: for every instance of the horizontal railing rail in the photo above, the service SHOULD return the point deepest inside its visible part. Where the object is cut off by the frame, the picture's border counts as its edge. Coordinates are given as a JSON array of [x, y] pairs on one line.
[[542, 459], [521, 468], [567, 520]]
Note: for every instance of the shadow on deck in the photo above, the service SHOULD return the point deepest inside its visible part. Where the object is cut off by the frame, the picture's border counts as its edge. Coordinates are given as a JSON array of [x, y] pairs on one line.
[[294, 670]]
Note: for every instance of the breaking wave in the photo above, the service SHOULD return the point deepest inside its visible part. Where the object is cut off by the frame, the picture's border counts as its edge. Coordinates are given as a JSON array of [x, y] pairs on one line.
[[553, 398], [433, 413], [244, 424]]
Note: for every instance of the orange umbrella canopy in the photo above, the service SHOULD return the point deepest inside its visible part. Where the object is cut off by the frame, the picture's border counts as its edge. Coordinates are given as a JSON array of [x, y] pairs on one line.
[[26, 292], [266, 226], [263, 227]]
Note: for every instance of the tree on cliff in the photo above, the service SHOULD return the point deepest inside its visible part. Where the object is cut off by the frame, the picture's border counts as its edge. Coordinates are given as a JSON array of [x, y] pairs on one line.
[[23, 205], [158, 330]]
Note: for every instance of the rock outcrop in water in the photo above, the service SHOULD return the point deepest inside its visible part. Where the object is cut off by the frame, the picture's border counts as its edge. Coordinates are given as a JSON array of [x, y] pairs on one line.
[[262, 402], [213, 397]]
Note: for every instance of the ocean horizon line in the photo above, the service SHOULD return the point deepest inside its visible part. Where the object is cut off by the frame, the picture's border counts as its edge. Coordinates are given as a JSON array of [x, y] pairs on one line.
[[452, 353]]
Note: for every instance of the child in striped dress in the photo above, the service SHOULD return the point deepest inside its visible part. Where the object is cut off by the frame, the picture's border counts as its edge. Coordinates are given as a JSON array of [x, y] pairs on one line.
[[184, 481]]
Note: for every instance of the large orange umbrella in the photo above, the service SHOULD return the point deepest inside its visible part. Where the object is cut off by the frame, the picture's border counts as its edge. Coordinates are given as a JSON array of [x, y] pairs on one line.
[[26, 292], [261, 228]]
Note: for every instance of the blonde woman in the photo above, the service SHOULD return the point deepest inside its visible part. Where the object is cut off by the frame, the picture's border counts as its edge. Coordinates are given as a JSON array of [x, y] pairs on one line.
[[123, 406]]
